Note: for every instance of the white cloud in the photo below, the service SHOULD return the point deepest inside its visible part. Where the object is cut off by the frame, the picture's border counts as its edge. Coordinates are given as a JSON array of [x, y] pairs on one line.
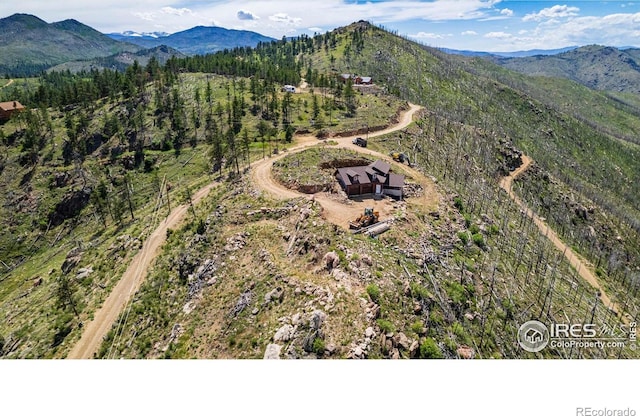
[[176, 12], [498, 35], [284, 18], [425, 35], [242, 15], [555, 26], [119, 15], [554, 12], [615, 30], [148, 16]]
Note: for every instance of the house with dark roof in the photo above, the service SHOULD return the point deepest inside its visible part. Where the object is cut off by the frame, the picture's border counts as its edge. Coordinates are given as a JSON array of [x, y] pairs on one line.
[[355, 79], [9, 108], [375, 178]]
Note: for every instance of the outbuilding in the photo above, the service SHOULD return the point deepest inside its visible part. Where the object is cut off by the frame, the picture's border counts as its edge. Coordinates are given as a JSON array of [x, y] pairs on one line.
[[9, 108]]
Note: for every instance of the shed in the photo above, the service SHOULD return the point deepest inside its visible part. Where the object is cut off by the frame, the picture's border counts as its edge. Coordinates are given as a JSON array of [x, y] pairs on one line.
[[9, 108]]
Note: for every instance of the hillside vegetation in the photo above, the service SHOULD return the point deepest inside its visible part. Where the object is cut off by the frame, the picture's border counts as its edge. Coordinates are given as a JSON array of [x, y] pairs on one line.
[[598, 67], [104, 155], [28, 45]]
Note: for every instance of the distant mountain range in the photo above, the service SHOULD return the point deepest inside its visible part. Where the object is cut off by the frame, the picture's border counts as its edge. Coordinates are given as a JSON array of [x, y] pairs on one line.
[[195, 41], [597, 67], [28, 44], [121, 61], [517, 54]]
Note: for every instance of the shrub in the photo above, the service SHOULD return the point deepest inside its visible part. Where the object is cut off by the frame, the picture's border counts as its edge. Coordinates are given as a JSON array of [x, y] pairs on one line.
[[419, 292], [474, 229], [385, 326], [457, 293], [467, 220], [374, 292], [318, 346], [429, 349], [478, 239], [417, 327], [464, 237], [457, 202], [201, 227]]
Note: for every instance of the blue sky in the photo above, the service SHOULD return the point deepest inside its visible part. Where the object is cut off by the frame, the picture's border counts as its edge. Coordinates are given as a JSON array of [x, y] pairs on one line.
[[483, 25]]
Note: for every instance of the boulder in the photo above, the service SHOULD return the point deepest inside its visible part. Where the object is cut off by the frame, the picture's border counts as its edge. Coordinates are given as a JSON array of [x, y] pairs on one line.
[[414, 348], [73, 258], [83, 273], [339, 274], [276, 294], [331, 260], [317, 319], [272, 352], [401, 340], [284, 333], [369, 332], [357, 352]]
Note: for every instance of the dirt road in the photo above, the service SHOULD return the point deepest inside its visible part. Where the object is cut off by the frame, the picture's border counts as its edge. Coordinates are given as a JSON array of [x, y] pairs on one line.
[[336, 211], [95, 331], [582, 266], [7, 84]]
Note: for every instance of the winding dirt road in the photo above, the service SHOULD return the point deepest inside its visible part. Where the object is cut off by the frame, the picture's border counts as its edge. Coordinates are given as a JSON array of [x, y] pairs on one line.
[[577, 262], [95, 331], [335, 211]]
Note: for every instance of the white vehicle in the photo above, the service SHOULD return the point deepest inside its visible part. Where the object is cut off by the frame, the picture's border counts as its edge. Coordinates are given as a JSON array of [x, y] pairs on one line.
[[289, 88]]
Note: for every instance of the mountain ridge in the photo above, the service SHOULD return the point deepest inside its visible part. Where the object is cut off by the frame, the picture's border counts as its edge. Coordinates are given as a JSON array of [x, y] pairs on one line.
[[197, 40], [28, 44], [598, 67]]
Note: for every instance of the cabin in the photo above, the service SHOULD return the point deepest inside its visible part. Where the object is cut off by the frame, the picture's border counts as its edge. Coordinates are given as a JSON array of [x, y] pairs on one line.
[[9, 108], [355, 79], [375, 178]]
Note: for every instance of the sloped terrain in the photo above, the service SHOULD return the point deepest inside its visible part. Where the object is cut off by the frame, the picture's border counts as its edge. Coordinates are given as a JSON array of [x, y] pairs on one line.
[[28, 44], [200, 40], [597, 67], [251, 274]]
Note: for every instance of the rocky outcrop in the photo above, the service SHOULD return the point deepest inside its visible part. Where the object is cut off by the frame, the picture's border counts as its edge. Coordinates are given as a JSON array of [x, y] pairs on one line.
[[70, 206], [74, 256], [272, 352]]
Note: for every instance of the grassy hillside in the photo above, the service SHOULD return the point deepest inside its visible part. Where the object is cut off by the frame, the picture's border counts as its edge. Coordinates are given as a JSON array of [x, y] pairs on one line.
[[28, 45], [249, 274], [80, 183], [553, 125], [597, 67]]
